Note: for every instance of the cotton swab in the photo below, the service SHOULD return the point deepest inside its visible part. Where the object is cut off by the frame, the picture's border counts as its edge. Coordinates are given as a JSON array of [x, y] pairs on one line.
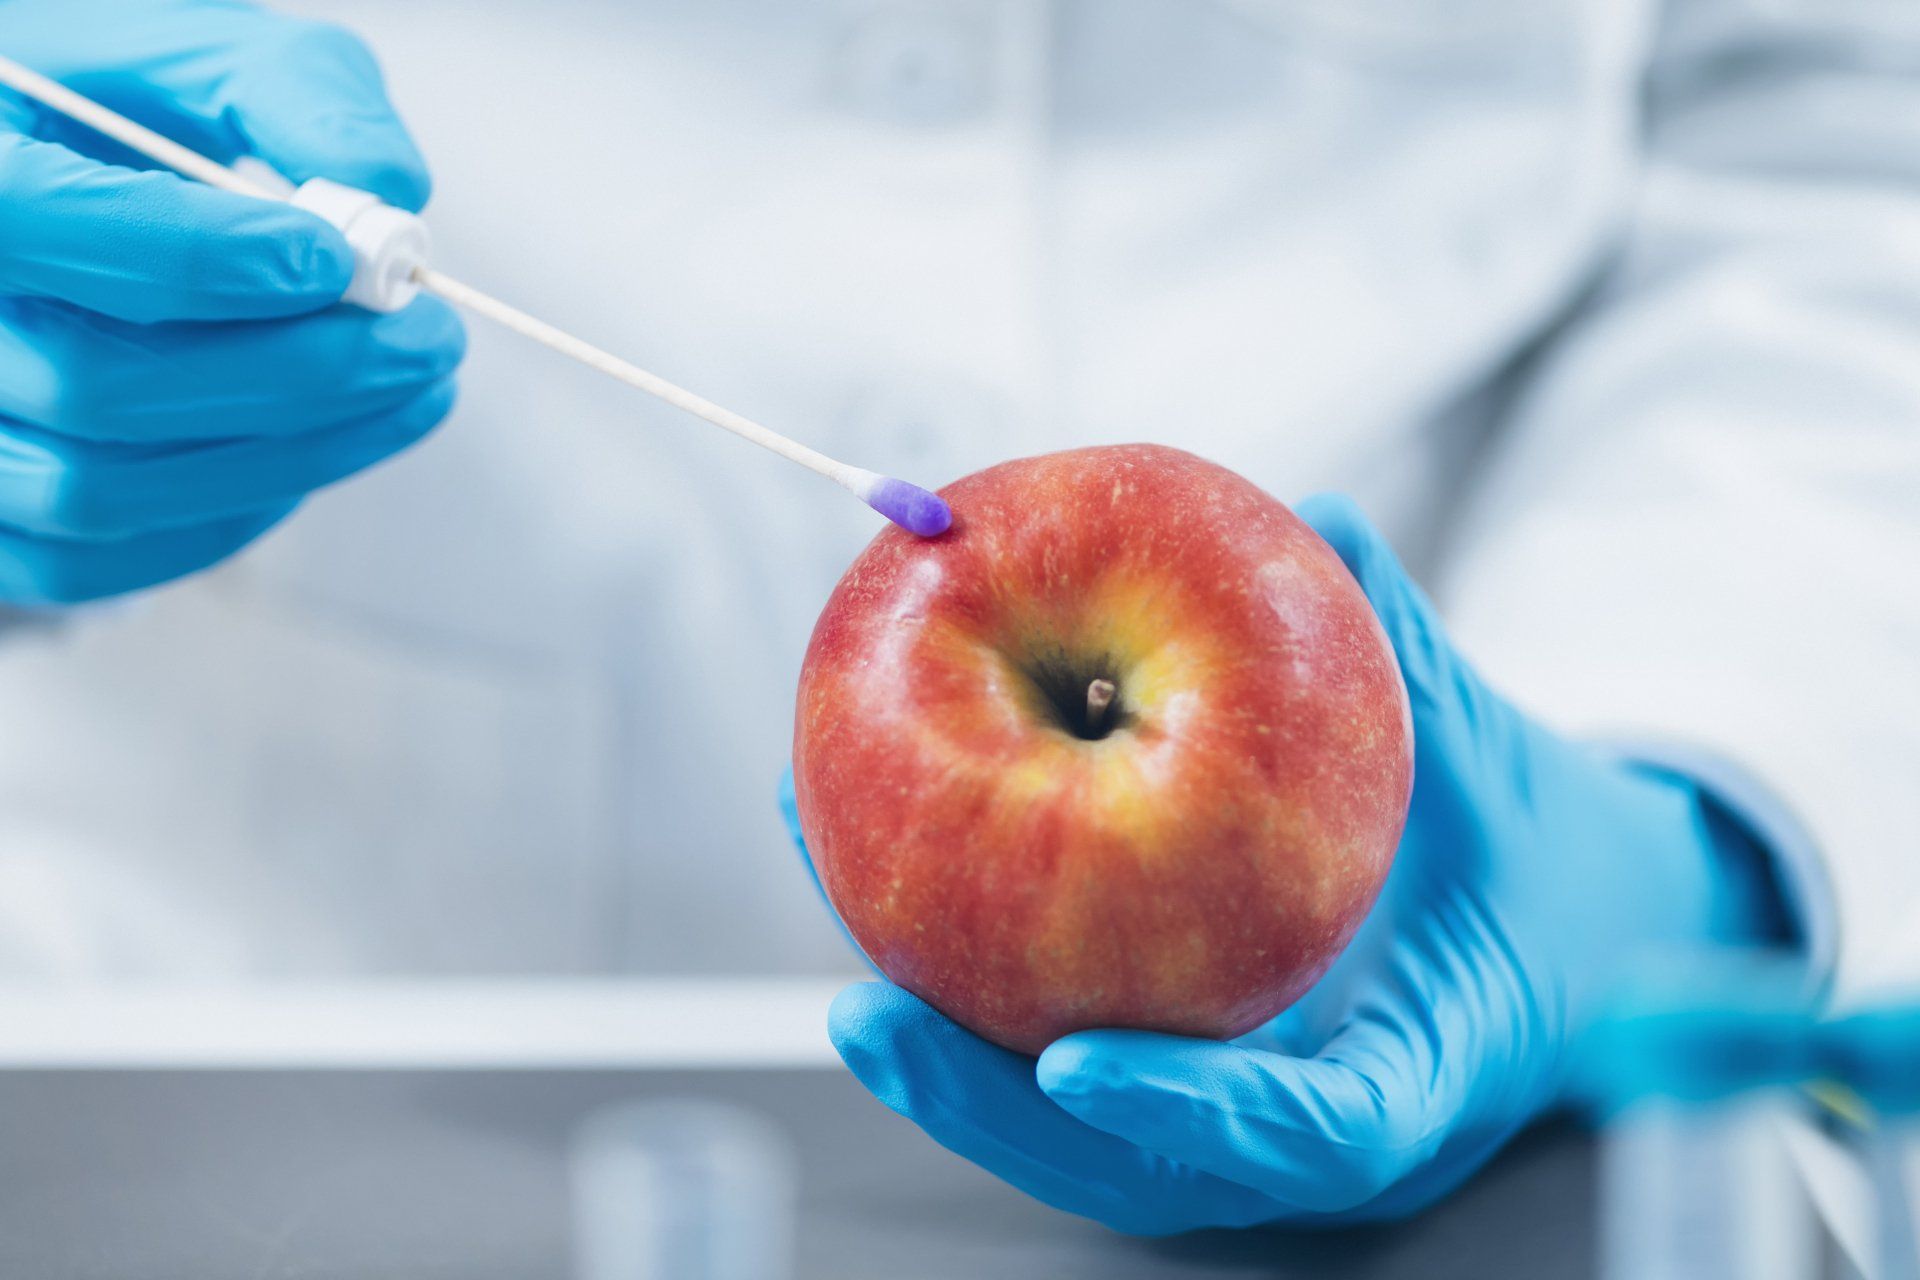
[[907, 505], [391, 247]]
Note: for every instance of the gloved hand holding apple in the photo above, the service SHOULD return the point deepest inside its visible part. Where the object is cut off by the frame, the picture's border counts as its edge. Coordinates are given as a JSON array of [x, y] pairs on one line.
[[1112, 772]]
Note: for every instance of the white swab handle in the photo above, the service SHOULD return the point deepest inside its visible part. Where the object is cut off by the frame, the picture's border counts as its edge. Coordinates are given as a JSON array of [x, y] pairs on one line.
[[390, 246]]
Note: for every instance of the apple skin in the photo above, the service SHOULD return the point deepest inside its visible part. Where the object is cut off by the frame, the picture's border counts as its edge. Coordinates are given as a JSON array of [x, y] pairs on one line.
[[1195, 870]]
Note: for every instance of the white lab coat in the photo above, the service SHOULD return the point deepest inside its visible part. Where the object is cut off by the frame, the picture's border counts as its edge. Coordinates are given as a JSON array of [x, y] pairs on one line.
[[1607, 310]]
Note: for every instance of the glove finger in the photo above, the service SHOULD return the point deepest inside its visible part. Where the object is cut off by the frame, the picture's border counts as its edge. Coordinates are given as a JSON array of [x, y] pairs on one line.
[[17, 116], [94, 378], [790, 814], [308, 98], [1321, 1136], [982, 1102], [147, 246], [58, 487], [41, 572]]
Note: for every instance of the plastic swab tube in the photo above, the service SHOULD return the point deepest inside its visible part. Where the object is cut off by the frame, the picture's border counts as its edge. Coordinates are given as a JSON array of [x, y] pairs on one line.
[[391, 248]]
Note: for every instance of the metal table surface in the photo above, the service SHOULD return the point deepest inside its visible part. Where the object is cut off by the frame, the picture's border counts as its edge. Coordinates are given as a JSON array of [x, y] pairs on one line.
[[418, 1174]]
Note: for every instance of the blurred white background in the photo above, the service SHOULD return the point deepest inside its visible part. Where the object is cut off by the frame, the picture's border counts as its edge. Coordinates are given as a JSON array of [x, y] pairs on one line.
[[517, 703]]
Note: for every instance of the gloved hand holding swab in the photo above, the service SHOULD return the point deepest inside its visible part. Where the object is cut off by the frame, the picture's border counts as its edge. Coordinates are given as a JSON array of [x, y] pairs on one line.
[[391, 250]]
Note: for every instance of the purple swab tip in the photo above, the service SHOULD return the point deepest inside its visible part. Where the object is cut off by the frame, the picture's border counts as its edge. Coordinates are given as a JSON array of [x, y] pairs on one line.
[[911, 507]]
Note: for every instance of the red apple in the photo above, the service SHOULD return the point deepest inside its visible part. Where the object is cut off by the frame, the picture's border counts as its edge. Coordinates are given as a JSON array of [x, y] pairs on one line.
[[1124, 748]]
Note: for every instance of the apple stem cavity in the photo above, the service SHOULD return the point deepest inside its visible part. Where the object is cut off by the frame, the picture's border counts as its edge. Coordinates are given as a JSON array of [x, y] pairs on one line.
[[1099, 701], [1075, 696]]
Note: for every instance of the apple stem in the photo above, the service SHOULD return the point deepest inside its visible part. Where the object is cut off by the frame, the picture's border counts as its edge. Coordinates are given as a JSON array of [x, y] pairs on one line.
[[1099, 700]]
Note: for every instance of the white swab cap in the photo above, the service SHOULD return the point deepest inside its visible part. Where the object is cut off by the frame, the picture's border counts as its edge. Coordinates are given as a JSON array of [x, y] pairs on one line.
[[388, 243]]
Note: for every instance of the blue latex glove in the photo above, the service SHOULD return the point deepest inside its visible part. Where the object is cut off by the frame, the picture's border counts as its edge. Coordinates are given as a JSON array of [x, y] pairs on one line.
[[1727, 1029], [174, 374], [1530, 867]]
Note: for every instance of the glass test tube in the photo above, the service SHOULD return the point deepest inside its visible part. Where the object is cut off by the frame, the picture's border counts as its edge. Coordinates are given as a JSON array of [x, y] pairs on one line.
[[682, 1189]]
